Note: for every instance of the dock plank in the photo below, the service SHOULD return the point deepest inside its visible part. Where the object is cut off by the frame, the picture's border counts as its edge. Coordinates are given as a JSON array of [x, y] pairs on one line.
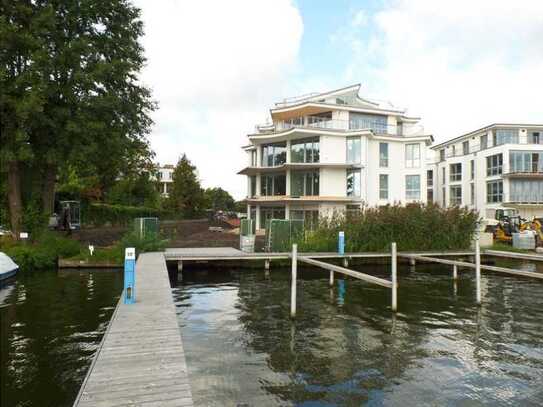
[[141, 360]]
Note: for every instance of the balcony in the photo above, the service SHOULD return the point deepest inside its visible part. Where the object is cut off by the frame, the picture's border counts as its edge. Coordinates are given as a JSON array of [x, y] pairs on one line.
[[313, 122]]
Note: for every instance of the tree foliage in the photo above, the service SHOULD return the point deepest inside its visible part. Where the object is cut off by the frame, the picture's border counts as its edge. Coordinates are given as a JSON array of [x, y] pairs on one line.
[[219, 199], [70, 95], [186, 197]]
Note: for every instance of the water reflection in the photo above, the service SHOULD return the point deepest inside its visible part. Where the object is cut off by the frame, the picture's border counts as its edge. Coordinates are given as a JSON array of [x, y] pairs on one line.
[[242, 347], [51, 325]]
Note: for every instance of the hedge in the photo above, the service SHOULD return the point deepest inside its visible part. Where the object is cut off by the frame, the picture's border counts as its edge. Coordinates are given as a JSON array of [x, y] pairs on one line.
[[413, 227], [98, 214]]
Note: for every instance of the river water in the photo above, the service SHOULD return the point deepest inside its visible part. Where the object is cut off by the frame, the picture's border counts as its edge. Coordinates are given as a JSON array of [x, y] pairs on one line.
[[346, 348], [51, 325]]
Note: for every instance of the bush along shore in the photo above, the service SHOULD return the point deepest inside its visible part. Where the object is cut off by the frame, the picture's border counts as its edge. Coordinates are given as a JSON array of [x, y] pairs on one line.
[[47, 248], [414, 227]]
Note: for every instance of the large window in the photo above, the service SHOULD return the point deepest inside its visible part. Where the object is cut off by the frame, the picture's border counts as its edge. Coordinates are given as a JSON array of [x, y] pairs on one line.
[[472, 170], [442, 154], [274, 154], [383, 186], [412, 155], [443, 176], [504, 136], [383, 155], [272, 185], [525, 161], [494, 165], [455, 195], [412, 187], [472, 193], [310, 217], [494, 191], [374, 122], [354, 150], [353, 183], [455, 173], [305, 151], [304, 183], [526, 191]]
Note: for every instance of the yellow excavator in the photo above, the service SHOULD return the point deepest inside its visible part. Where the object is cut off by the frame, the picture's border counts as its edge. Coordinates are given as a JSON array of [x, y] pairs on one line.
[[509, 222]]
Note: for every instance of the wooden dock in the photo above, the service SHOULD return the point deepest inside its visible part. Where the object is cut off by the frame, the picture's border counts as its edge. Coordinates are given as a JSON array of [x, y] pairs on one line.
[[141, 361]]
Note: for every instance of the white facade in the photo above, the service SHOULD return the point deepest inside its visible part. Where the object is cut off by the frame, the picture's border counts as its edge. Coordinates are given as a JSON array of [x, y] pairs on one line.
[[165, 178], [507, 170], [331, 152]]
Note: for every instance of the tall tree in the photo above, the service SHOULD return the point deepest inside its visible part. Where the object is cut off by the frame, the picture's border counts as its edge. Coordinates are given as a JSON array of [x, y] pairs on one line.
[[186, 196], [69, 92]]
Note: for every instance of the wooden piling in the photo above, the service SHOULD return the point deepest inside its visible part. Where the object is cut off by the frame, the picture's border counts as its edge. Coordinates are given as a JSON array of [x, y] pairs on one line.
[[455, 272], [267, 264], [478, 270], [331, 278], [394, 264], [293, 280], [345, 262]]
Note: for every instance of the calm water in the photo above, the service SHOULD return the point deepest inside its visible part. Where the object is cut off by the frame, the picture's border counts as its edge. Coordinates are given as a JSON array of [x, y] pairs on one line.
[[346, 348], [51, 326]]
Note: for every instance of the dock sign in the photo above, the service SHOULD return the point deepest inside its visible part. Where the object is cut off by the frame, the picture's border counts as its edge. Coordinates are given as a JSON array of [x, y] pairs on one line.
[[129, 275]]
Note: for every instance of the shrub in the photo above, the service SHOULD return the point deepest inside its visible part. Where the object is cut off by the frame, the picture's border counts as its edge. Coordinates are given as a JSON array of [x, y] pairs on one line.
[[98, 214], [413, 227], [151, 242], [42, 252]]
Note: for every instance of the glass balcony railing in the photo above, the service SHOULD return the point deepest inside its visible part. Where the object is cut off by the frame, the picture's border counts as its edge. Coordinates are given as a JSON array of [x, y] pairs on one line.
[[377, 127]]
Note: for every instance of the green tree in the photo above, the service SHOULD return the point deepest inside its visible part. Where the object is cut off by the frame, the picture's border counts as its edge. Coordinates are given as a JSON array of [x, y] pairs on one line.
[[135, 191], [69, 93], [186, 196], [219, 199]]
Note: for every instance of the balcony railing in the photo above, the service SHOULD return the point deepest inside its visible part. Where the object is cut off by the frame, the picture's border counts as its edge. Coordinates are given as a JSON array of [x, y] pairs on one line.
[[477, 148], [345, 125]]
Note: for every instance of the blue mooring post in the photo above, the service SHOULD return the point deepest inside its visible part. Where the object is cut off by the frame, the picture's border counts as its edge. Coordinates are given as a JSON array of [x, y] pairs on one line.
[[129, 275], [341, 243]]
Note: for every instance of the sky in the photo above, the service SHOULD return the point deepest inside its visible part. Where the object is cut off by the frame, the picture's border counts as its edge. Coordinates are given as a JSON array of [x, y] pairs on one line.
[[217, 67]]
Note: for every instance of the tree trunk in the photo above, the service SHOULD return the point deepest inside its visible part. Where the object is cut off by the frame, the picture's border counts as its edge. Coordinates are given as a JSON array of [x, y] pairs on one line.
[[14, 198], [48, 193]]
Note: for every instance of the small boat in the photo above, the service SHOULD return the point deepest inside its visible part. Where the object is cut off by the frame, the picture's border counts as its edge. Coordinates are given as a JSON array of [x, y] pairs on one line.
[[8, 268]]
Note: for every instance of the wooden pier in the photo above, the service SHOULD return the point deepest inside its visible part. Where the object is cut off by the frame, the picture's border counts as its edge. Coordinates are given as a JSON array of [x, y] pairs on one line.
[[141, 361]]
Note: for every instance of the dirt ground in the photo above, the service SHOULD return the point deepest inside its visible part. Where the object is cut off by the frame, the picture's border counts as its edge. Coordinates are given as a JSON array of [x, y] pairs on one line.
[[184, 233]]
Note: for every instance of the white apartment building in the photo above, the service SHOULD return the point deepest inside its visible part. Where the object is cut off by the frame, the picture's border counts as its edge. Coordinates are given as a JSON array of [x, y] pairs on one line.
[[333, 151], [165, 178], [498, 166]]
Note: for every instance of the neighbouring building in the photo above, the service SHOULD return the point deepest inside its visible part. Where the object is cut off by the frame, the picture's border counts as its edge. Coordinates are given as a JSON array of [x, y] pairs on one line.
[[334, 151], [497, 166], [165, 178]]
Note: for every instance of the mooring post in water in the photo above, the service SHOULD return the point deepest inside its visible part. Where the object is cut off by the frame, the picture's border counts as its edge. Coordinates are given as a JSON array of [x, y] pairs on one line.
[[331, 278], [345, 262], [267, 264], [455, 272], [129, 275], [478, 270], [180, 265], [293, 281], [393, 263], [412, 261]]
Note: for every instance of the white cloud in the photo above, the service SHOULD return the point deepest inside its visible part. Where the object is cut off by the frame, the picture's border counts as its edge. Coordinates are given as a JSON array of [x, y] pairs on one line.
[[215, 68], [459, 64]]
